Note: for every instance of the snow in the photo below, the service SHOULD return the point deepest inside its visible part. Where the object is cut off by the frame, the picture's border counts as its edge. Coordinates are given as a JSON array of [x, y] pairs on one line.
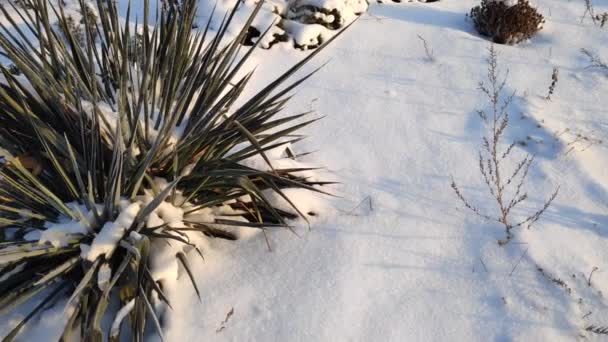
[[8, 274], [394, 256], [111, 116], [112, 232], [164, 266], [285, 18], [348, 9], [310, 204], [120, 316], [104, 275], [170, 214], [506, 2], [415, 265], [59, 234], [306, 35]]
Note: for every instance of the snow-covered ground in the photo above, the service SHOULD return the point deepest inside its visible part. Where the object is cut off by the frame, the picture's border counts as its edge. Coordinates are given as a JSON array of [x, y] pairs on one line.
[[397, 128], [395, 256]]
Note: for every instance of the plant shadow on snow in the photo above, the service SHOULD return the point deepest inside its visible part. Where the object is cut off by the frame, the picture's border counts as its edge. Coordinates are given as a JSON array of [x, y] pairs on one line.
[[529, 133], [423, 14], [595, 190], [523, 287], [516, 283], [412, 82], [574, 218], [524, 129], [499, 279], [541, 38]]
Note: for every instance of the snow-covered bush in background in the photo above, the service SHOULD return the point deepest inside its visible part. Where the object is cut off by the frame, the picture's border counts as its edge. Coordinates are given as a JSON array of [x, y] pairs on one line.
[[304, 23], [507, 22]]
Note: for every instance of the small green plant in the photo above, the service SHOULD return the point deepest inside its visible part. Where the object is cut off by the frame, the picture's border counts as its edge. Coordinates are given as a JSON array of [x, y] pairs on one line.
[[505, 186], [506, 24], [118, 151]]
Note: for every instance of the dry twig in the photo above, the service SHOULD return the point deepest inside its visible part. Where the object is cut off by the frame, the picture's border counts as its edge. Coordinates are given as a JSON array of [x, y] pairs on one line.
[[507, 188], [554, 79], [430, 56]]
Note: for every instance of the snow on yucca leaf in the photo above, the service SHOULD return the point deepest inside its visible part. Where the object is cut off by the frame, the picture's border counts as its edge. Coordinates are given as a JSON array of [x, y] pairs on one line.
[[119, 147]]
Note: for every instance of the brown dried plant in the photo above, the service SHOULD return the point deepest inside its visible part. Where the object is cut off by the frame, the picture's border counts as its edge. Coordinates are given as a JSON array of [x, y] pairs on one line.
[[505, 186], [598, 19], [554, 79], [507, 24], [430, 55]]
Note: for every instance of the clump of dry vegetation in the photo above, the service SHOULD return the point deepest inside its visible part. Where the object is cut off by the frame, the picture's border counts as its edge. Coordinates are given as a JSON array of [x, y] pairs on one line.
[[507, 24], [554, 79], [597, 330], [506, 185], [599, 19]]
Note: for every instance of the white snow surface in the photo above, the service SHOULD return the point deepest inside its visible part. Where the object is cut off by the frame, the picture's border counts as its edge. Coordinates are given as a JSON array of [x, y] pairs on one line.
[[111, 233], [120, 317], [59, 234], [395, 256], [412, 264]]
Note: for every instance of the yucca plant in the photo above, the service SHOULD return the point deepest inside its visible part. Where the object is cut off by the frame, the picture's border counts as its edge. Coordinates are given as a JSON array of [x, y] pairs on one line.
[[124, 140]]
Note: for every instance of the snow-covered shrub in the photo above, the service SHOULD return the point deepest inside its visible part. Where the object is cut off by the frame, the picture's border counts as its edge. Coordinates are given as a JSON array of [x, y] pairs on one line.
[[399, 1], [507, 22], [121, 155], [332, 14], [305, 24]]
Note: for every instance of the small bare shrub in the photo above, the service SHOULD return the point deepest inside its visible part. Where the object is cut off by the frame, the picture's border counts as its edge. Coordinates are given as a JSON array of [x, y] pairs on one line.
[[597, 330], [430, 55], [580, 142], [598, 19], [505, 185], [507, 24], [555, 280], [602, 19], [554, 79]]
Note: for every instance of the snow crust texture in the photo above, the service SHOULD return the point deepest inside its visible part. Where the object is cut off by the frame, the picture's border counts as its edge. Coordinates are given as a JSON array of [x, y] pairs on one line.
[[395, 257]]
